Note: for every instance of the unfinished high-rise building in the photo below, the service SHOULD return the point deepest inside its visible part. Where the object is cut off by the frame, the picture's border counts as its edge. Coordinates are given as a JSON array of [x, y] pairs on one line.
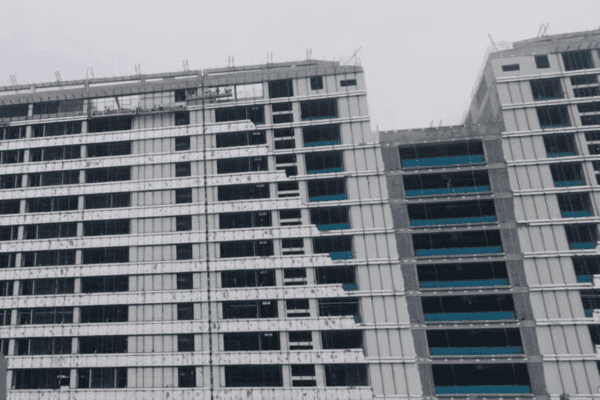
[[497, 228], [216, 234]]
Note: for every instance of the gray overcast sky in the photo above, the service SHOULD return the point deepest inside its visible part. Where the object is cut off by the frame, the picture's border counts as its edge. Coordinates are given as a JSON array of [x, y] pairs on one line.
[[421, 57]]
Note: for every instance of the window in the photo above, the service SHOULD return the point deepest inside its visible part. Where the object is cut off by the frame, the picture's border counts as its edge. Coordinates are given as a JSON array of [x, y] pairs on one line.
[[102, 344], [318, 109], [7, 260], [586, 91], [42, 378], [542, 61], [575, 60], [4, 346], [584, 80], [234, 139], [11, 156], [575, 204], [462, 274], [179, 95], [6, 288], [182, 118], [255, 114], [48, 258], [324, 162], [248, 278], [292, 246], [55, 129], [448, 378], [327, 189], [185, 311], [243, 192], [247, 248], [316, 82], [50, 204], [300, 373], [330, 217], [184, 251], [101, 378], [281, 88], [5, 317], [112, 174], [567, 174], [55, 153], [582, 236], [183, 169], [444, 308], [10, 207], [51, 286], [237, 165], [560, 145], [546, 89], [511, 67], [277, 107], [12, 132], [348, 82], [244, 220], [109, 149], [186, 376], [185, 343], [294, 276], [106, 227], [346, 375], [283, 118], [253, 376], [45, 315], [249, 309], [182, 143], [349, 339], [297, 308], [183, 196], [251, 341], [107, 200], [302, 340], [336, 275], [58, 107], [53, 178], [330, 244], [103, 284], [101, 314], [470, 242], [10, 181], [553, 116], [121, 123], [339, 307], [442, 154], [43, 345], [9, 232], [106, 255], [184, 223], [14, 111], [185, 281], [321, 135]]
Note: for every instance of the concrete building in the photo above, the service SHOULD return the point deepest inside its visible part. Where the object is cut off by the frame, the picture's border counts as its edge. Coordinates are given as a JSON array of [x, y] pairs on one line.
[[497, 227], [217, 234]]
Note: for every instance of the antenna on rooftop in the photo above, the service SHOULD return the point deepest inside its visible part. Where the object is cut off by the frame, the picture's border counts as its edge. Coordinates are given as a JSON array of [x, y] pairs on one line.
[[543, 28], [493, 44], [58, 78], [13, 80], [431, 124], [138, 69], [308, 54], [89, 70], [353, 56], [186, 67]]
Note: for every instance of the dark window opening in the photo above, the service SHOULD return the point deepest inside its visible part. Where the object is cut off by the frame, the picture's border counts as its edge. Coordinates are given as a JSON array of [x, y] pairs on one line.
[[9, 233], [45, 315], [324, 162], [316, 82], [7, 288], [184, 252], [102, 344], [185, 281], [183, 196], [290, 217], [180, 95], [346, 375], [43, 345], [460, 212], [12, 156], [243, 192], [443, 154], [186, 376], [240, 220], [58, 107], [281, 88], [584, 80], [107, 200], [567, 174], [297, 308], [446, 183], [12, 132], [478, 377], [253, 376], [7, 260], [349, 339], [467, 242], [14, 111], [248, 278], [542, 61], [560, 145], [330, 244], [101, 378], [106, 255], [256, 114], [182, 118], [277, 107], [50, 204], [185, 343], [339, 307], [337, 275], [10, 181], [251, 341], [55, 129], [546, 89], [327, 189], [575, 204], [183, 169], [575, 60], [55, 153], [486, 304], [250, 309], [553, 116], [53, 178], [283, 118], [348, 82], [103, 284], [484, 340], [10, 207], [41, 378], [48, 258], [5, 317], [585, 267], [108, 149], [321, 135], [47, 231], [185, 311], [183, 223], [112, 174], [182, 143], [587, 91], [246, 164], [51, 286], [582, 236], [318, 109], [462, 274], [510, 67], [101, 314], [235, 139], [247, 248], [107, 227], [121, 123]]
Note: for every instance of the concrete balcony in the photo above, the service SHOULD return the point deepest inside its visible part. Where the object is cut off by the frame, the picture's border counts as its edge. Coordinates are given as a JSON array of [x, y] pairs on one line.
[[438, 162]]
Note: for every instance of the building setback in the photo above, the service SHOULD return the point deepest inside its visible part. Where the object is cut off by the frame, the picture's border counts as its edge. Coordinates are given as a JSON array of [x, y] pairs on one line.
[[217, 234]]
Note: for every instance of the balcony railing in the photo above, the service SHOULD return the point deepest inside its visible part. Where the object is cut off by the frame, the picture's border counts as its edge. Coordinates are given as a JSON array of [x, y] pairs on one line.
[[443, 161], [582, 245], [569, 183], [333, 227], [458, 251], [475, 351], [563, 154], [482, 389], [329, 198], [465, 283], [471, 316], [342, 255], [576, 214], [326, 143], [454, 221], [326, 171]]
